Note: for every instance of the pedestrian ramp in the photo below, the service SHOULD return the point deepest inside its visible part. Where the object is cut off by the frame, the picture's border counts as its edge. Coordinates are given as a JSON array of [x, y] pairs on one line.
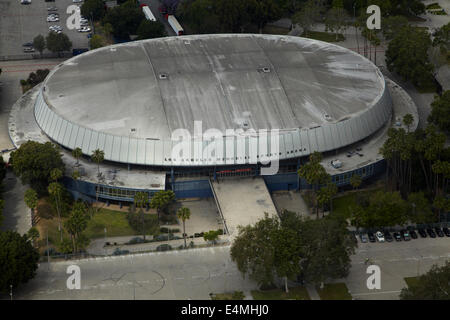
[[242, 201]]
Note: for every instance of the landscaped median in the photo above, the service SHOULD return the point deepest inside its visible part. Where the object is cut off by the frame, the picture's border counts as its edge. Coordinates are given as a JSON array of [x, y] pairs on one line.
[[334, 291]]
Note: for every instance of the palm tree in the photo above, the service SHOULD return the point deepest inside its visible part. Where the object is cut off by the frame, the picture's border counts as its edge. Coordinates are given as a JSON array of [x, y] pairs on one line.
[[355, 181], [184, 214], [77, 153], [56, 174], [140, 200], [55, 189], [161, 200], [98, 156], [408, 119], [31, 199]]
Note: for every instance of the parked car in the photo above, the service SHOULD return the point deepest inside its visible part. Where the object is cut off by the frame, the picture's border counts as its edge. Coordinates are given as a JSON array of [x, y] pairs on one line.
[[397, 236], [77, 1], [431, 233], [446, 231], [413, 234], [84, 29], [163, 247], [371, 237], [28, 49], [388, 236], [439, 232], [27, 44], [380, 236], [52, 9], [405, 235], [363, 238], [422, 232]]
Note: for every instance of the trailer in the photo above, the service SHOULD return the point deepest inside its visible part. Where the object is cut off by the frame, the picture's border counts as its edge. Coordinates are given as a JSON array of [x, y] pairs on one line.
[[175, 25], [148, 13]]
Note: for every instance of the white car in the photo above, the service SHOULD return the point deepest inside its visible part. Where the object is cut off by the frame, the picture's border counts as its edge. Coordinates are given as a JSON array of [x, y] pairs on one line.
[[84, 29], [52, 19], [77, 1], [84, 20], [380, 236]]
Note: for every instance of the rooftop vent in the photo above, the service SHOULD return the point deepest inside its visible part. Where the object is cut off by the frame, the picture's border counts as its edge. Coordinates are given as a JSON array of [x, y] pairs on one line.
[[162, 76], [265, 69], [187, 42]]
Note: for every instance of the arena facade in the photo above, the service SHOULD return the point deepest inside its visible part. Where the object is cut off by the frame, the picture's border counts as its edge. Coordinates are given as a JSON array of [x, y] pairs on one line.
[[178, 112]]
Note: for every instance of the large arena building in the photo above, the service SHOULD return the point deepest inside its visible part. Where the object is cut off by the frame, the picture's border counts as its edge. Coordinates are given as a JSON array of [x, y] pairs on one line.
[[129, 99]]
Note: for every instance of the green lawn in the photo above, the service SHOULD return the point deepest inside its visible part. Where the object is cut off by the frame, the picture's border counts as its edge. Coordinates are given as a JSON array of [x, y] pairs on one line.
[[324, 36], [296, 293], [334, 291], [411, 280], [341, 204], [116, 224]]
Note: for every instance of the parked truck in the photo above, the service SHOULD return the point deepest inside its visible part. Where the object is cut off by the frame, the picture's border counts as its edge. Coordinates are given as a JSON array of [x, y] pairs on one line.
[[173, 22], [148, 13]]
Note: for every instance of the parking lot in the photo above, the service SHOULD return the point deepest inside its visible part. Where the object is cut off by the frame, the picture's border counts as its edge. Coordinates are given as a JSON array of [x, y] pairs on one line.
[[20, 23]]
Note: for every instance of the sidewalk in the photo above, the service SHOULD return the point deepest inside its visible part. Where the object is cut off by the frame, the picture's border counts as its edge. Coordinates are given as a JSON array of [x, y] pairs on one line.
[[312, 292]]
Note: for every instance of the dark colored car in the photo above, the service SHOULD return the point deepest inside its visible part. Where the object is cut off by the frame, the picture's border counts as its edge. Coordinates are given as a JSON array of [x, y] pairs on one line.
[[363, 238], [422, 233], [446, 231], [405, 235], [371, 237], [397, 236], [413, 234], [431, 233], [27, 44], [388, 236], [439, 232]]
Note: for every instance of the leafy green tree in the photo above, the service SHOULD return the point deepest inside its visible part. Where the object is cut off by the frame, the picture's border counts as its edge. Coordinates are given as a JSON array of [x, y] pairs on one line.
[[141, 200], [2, 205], [96, 42], [124, 19], [440, 111], [325, 195], [184, 214], [253, 250], [433, 285], [264, 11], [56, 174], [161, 200], [39, 43], [98, 156], [200, 15], [77, 153], [232, 15], [306, 17], [211, 236], [33, 234], [34, 161], [18, 260], [31, 199], [407, 55], [419, 208], [408, 120], [440, 203], [391, 24], [58, 42], [2, 169], [336, 19], [151, 29], [94, 9], [76, 223]]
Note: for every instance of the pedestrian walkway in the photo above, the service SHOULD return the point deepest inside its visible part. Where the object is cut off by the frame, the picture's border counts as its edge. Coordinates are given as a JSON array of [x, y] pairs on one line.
[[313, 294]]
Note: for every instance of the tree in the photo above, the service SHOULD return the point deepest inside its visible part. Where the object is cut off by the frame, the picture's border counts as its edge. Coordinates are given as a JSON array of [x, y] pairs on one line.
[[2, 169], [55, 190], [211, 236], [77, 153], [94, 9], [253, 250], [18, 260], [440, 111], [408, 120], [433, 285], [39, 43], [58, 42], [264, 11], [33, 234], [98, 156], [151, 29], [355, 181], [314, 174], [391, 24], [124, 19], [336, 18], [325, 195], [31, 199], [200, 15], [419, 208], [96, 42], [141, 200], [161, 200], [184, 214], [440, 203], [34, 161], [76, 223], [307, 16], [407, 55]]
